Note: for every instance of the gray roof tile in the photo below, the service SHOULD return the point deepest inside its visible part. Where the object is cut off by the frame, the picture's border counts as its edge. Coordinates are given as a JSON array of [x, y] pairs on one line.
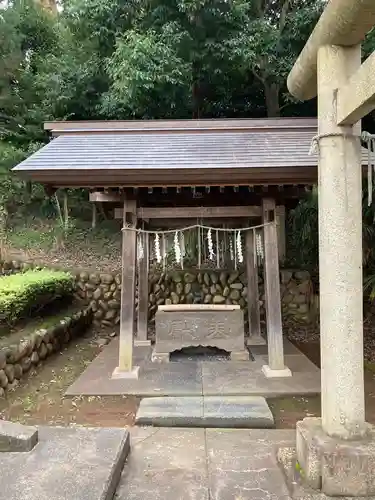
[[182, 150]]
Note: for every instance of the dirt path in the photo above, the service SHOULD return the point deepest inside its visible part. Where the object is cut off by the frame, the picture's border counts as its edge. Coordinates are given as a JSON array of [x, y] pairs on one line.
[[39, 399]]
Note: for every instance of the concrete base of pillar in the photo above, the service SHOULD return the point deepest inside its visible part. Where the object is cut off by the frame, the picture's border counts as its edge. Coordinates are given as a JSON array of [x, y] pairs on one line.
[[255, 340], [133, 374], [334, 466], [240, 355], [270, 373], [160, 357], [142, 343]]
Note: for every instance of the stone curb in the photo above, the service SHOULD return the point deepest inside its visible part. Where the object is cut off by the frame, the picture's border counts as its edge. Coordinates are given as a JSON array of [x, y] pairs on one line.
[[15, 437], [116, 471], [17, 359]]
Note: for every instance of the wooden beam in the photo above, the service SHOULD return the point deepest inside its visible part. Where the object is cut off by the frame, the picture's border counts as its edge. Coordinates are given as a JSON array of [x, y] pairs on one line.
[[252, 291], [194, 212], [142, 316], [357, 98], [272, 289]]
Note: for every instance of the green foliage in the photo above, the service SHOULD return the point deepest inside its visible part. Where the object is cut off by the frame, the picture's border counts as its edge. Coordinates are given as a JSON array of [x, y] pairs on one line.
[[149, 77], [271, 36], [48, 239], [110, 59], [303, 244], [27, 34], [22, 294]]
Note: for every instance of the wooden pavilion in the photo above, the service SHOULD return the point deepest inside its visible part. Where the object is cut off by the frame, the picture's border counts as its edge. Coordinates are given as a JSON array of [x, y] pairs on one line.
[[171, 173]]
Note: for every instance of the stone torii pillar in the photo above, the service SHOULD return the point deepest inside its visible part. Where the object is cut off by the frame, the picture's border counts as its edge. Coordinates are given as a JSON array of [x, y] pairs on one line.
[[337, 453]]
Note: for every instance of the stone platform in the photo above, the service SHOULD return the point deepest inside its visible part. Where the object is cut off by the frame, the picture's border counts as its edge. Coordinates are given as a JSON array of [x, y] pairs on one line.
[[251, 412], [198, 378], [207, 464], [66, 464]]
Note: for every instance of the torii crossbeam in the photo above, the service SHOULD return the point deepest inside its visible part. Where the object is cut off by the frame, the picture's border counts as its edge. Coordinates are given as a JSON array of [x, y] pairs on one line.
[[338, 452]]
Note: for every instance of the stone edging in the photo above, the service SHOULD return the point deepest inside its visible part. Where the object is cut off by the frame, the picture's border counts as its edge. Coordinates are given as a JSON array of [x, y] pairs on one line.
[[17, 359]]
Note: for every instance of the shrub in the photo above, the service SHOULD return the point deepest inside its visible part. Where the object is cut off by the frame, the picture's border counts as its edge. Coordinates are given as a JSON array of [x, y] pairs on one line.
[[23, 294]]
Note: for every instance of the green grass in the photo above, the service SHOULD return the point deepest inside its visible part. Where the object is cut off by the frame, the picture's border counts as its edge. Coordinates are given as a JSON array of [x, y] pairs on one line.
[[370, 366], [23, 293], [28, 238], [47, 235]]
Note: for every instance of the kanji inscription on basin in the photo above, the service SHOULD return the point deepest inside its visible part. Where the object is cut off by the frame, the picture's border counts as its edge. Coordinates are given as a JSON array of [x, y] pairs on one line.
[[177, 329]]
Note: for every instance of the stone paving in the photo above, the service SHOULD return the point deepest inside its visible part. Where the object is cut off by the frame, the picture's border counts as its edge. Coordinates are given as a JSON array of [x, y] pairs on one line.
[[204, 464], [66, 464], [197, 378]]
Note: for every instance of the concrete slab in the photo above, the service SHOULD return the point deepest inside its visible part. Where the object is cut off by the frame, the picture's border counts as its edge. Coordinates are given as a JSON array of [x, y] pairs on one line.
[[242, 464], [198, 464], [240, 378], [171, 412], [246, 412], [154, 379], [66, 464], [211, 411], [195, 377], [165, 464]]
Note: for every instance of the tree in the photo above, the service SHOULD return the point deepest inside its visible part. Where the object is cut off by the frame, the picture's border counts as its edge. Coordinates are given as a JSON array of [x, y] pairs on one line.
[[272, 35], [27, 36], [174, 60], [150, 78]]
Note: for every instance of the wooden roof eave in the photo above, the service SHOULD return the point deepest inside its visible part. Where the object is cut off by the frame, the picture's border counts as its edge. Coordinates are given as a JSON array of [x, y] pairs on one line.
[[186, 177]]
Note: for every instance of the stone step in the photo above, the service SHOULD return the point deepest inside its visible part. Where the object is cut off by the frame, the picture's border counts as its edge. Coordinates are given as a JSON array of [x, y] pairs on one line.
[[246, 412]]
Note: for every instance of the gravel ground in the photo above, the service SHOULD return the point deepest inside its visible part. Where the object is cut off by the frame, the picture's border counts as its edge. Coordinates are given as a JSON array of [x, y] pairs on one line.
[[310, 333]]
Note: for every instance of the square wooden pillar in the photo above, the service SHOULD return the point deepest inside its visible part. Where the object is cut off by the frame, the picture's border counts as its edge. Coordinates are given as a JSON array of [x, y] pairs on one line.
[[255, 337], [125, 367], [281, 236], [143, 268], [275, 367]]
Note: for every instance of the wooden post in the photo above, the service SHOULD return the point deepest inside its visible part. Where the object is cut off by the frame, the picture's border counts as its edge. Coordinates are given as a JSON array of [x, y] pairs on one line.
[[125, 368], [281, 238], [275, 367], [255, 337], [142, 318]]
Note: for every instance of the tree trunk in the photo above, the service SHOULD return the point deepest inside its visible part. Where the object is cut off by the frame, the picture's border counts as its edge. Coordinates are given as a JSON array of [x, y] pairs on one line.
[[196, 100], [272, 99]]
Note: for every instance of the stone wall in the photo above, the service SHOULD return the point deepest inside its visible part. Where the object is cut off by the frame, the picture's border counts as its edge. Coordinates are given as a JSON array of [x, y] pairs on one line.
[[229, 287], [102, 291], [16, 359]]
